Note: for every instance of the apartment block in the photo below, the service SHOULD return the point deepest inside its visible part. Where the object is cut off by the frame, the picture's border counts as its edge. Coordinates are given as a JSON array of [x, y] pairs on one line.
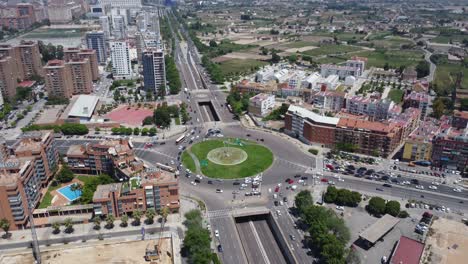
[[374, 108], [368, 137], [329, 100], [120, 57], [81, 76], [13, 52], [30, 59], [118, 23], [105, 26], [460, 119], [41, 146], [20, 189], [157, 190], [261, 104], [8, 78], [418, 145], [19, 16], [353, 67], [76, 53], [58, 79], [310, 127], [154, 71], [450, 149], [96, 40], [419, 100]]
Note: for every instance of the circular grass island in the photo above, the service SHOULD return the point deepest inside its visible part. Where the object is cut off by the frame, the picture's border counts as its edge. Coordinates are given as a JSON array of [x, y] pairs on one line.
[[227, 158]]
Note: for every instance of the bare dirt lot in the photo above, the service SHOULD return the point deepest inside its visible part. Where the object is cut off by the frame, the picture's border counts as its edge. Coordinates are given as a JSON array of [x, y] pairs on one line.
[[448, 243], [122, 253]]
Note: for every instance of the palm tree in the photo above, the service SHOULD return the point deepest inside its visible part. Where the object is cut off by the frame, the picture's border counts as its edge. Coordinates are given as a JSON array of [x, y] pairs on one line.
[[68, 223], [56, 227], [97, 222], [110, 221], [124, 220], [150, 214], [164, 214], [5, 225], [136, 217], [76, 187]]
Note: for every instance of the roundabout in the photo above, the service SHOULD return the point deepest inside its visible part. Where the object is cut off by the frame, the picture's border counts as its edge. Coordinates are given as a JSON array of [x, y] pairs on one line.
[[227, 158]]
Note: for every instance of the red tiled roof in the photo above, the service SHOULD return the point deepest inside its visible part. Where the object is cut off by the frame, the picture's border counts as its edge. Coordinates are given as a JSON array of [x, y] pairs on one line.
[[408, 251], [364, 124], [462, 114], [26, 83]]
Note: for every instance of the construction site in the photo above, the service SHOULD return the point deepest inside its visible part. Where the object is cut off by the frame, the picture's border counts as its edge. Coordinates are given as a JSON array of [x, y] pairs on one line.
[[101, 252]]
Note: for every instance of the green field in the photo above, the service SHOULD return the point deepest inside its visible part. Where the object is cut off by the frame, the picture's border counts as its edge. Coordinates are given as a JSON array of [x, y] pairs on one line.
[[259, 159], [331, 49], [391, 42], [396, 95], [55, 33], [341, 36], [47, 200], [300, 44], [239, 66], [445, 39], [188, 161], [395, 58], [445, 76]]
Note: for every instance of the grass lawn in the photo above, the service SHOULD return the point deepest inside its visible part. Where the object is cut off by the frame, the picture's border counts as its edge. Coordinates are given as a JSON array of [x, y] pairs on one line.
[[238, 66], [395, 58], [331, 49], [47, 199], [395, 95], [188, 162], [446, 38], [445, 76], [342, 36], [331, 59], [177, 120], [391, 42], [55, 33], [134, 183], [259, 159]]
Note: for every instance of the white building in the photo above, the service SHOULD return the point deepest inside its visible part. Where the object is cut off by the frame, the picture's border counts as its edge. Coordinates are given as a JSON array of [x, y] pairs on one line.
[[311, 81], [264, 75], [352, 68], [105, 26], [374, 108], [118, 23], [261, 104], [330, 83], [120, 58], [296, 79], [124, 3]]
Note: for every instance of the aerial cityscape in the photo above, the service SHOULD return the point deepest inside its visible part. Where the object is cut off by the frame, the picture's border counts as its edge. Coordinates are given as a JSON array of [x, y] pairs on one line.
[[233, 131]]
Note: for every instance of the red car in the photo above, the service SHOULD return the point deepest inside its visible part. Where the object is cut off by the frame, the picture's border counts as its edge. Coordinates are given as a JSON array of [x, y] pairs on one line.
[[277, 189], [324, 180], [291, 181]]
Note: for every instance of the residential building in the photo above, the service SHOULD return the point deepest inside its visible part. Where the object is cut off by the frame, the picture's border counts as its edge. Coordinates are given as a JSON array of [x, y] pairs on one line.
[[328, 83], [120, 57], [450, 149], [408, 120], [20, 189], [351, 68], [105, 26], [295, 79], [368, 137], [409, 74], [374, 108], [329, 100], [8, 78], [81, 76], [261, 104], [161, 190], [13, 52], [89, 54], [58, 80], [418, 145], [407, 251], [64, 11], [41, 146], [154, 71], [311, 81], [29, 59], [418, 100], [135, 4], [95, 40], [310, 127], [460, 119], [118, 23], [253, 87], [264, 75], [18, 16]]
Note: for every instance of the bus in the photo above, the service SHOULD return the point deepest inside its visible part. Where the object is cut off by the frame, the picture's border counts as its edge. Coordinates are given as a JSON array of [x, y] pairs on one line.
[[165, 167], [180, 139]]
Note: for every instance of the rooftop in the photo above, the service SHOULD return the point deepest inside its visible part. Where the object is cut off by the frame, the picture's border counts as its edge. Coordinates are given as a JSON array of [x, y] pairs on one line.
[[260, 97], [102, 191], [379, 228], [426, 131], [460, 114], [366, 125], [313, 116], [12, 169], [415, 96], [158, 177], [408, 251], [84, 106], [75, 150]]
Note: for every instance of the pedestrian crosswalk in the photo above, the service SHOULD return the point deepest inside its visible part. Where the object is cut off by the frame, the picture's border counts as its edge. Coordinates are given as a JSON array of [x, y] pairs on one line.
[[222, 213], [292, 165]]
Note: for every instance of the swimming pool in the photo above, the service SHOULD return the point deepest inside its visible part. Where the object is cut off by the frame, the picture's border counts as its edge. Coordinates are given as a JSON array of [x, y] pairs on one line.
[[69, 194]]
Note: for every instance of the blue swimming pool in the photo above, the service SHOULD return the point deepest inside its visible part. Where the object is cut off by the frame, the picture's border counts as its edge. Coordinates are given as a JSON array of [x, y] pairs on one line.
[[69, 194]]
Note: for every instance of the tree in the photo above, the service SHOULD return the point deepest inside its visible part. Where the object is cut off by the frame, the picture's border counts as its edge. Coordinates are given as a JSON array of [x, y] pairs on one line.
[[152, 131], [148, 121], [65, 175], [376, 206], [422, 69], [5, 225], [150, 214], [392, 208], [68, 223], [386, 66], [124, 221], [292, 58], [144, 131], [97, 222], [162, 116], [303, 199], [136, 131], [275, 58], [331, 194], [110, 221], [137, 217], [56, 228], [264, 50], [213, 43], [76, 187], [438, 108]]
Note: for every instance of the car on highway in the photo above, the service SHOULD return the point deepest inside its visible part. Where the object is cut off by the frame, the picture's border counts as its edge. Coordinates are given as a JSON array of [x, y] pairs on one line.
[[277, 189], [331, 183], [387, 185], [419, 187], [379, 189], [457, 190], [219, 191], [236, 183], [216, 233], [193, 183], [210, 182], [220, 248], [435, 183], [432, 187], [293, 238]]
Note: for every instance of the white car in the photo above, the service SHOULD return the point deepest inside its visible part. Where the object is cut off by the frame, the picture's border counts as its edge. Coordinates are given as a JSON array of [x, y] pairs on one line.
[[336, 176], [219, 191], [331, 183], [341, 180], [419, 187], [216, 233], [220, 135], [300, 181], [193, 183], [435, 183], [457, 190], [432, 187], [340, 208], [278, 212]]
